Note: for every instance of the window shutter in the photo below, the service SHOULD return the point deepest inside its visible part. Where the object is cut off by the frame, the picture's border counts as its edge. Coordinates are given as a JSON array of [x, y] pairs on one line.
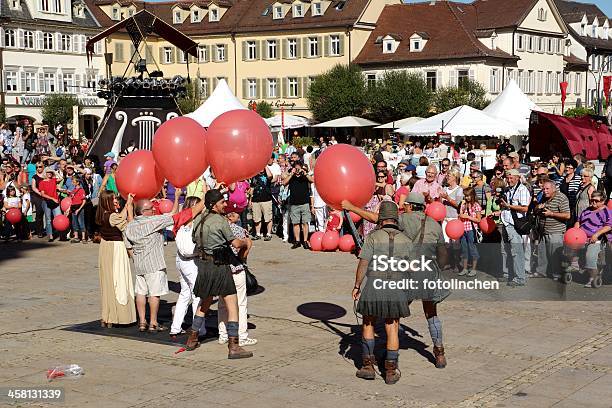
[[245, 89], [208, 84], [245, 47], [320, 46], [1, 37], [41, 82], [306, 85], [20, 38], [22, 81], [326, 42], [161, 56], [471, 75], [213, 55], [283, 87], [453, 79], [39, 40], [57, 37], [284, 48], [258, 50], [77, 83], [298, 47], [305, 44], [259, 88], [341, 45], [299, 87], [60, 83]]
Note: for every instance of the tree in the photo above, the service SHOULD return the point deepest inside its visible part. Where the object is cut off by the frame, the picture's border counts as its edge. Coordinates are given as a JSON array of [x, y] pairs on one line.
[[470, 93], [192, 99], [578, 112], [57, 108], [265, 109], [398, 95], [339, 92]]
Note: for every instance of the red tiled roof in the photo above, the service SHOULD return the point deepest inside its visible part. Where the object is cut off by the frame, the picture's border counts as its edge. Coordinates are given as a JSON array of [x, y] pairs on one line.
[[450, 26], [501, 13], [575, 63], [573, 11]]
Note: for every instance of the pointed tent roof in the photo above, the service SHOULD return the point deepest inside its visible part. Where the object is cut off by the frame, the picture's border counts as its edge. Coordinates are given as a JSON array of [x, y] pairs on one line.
[[290, 121], [220, 101], [513, 106], [461, 121], [347, 121], [400, 123]]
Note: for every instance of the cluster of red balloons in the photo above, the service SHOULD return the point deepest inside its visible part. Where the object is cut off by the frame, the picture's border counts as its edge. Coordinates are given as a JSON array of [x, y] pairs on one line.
[[237, 146], [330, 241]]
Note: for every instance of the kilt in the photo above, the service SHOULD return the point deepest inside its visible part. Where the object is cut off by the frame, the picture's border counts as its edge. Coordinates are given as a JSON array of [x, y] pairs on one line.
[[213, 279]]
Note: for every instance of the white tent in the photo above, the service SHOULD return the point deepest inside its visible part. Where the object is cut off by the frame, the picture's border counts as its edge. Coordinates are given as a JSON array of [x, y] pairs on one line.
[[399, 123], [220, 101], [288, 122], [513, 106], [347, 121], [461, 121]]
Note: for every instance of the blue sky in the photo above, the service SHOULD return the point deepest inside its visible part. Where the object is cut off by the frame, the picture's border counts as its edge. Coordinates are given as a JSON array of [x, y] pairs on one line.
[[604, 5]]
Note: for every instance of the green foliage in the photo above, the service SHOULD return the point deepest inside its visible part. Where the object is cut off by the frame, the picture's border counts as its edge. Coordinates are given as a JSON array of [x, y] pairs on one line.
[[398, 95], [339, 92], [578, 112], [57, 108], [192, 100], [302, 141], [265, 109], [470, 93]]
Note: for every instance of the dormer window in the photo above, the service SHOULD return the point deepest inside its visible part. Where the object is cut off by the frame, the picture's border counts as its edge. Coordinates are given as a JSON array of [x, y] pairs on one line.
[[583, 29], [606, 33], [542, 14], [213, 14], [415, 45], [298, 10], [594, 31], [278, 12], [115, 13], [390, 44], [317, 9], [130, 12], [177, 17], [195, 16], [418, 41], [14, 4]]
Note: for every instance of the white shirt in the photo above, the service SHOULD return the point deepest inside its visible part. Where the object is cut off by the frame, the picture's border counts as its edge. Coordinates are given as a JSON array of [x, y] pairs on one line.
[[317, 200], [24, 199], [275, 170], [13, 202], [184, 243], [517, 195]]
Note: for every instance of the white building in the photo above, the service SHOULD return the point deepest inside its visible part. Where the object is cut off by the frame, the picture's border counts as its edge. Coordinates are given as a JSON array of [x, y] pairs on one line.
[[491, 41], [42, 51]]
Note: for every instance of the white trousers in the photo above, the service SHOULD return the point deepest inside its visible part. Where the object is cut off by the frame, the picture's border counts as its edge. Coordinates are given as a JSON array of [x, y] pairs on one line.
[[188, 272], [321, 217], [285, 213], [240, 282]]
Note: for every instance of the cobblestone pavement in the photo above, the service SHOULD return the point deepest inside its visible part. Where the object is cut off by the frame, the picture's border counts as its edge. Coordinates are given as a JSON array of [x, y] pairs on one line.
[[501, 354]]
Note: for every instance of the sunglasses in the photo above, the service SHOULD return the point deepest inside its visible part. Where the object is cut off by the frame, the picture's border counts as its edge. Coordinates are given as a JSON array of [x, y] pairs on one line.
[[597, 201]]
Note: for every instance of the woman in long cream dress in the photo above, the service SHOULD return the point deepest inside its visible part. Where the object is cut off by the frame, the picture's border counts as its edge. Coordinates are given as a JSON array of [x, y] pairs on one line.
[[114, 263]]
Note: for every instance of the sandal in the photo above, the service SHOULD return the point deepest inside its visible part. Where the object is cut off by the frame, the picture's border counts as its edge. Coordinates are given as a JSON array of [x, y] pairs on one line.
[[157, 328], [142, 327]]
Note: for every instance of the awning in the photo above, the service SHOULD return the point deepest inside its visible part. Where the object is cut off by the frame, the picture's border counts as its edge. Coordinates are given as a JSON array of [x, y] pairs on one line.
[[287, 122], [399, 123], [348, 122]]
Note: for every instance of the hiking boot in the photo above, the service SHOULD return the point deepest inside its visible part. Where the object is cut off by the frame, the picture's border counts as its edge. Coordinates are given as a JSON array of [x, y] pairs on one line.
[[367, 371], [235, 351], [439, 354], [192, 340], [392, 374]]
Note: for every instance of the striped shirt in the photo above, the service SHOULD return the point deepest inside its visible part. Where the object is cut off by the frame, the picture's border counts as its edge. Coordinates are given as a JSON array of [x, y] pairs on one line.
[[592, 221], [570, 189], [558, 204]]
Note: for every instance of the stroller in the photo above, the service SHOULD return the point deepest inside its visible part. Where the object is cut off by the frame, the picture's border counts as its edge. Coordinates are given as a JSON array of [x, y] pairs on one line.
[[603, 263]]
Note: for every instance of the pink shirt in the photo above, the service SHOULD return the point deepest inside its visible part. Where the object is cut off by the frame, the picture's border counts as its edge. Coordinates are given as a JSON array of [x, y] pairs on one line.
[[238, 198], [433, 188]]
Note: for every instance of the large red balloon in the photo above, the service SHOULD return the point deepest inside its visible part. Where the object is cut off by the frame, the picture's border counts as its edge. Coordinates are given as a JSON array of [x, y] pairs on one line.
[[575, 238], [343, 172], [13, 216], [179, 149], [610, 204], [65, 204], [347, 243], [165, 206], [315, 241], [137, 174], [455, 229], [436, 210], [487, 225], [330, 240], [238, 145], [61, 223]]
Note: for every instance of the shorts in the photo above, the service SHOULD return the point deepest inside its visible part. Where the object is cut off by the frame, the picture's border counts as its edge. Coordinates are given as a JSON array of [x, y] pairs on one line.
[[299, 214], [152, 284], [262, 210], [592, 255]]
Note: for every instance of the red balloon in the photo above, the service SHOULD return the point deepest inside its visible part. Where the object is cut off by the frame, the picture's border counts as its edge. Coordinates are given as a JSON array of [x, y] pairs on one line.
[[455, 229], [238, 145], [436, 210], [575, 238], [330, 240], [165, 206], [610, 204], [13, 216], [316, 241], [355, 217], [347, 243], [343, 172], [487, 225], [65, 204], [179, 149], [138, 174], [61, 223]]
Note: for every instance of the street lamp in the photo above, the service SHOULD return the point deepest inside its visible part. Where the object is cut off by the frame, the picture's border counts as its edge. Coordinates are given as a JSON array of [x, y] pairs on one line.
[[604, 66]]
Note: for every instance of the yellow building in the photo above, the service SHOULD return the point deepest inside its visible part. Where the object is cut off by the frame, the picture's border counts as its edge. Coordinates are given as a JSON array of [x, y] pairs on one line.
[[266, 50]]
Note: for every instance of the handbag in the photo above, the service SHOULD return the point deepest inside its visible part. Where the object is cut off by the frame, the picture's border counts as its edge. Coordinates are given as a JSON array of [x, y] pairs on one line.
[[523, 225], [251, 282]]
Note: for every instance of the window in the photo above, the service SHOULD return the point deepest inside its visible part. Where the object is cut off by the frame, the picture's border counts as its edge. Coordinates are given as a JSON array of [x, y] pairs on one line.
[[432, 80], [531, 82], [220, 52], [550, 47], [416, 45], [15, 4], [202, 53], [578, 83], [272, 88], [317, 9], [213, 15], [251, 50], [68, 83], [298, 10], [47, 41], [252, 88], [463, 76], [49, 82], [294, 88], [57, 6], [65, 45], [29, 81], [549, 82], [606, 31], [9, 38], [540, 82], [115, 13], [167, 55], [44, 5], [594, 31], [182, 57], [388, 47], [28, 39], [292, 48], [195, 16], [371, 79], [313, 47], [11, 81], [272, 49], [334, 45], [278, 12], [204, 87], [541, 45], [542, 14], [177, 17], [130, 12], [520, 42], [583, 29], [494, 81], [558, 79], [529, 41]]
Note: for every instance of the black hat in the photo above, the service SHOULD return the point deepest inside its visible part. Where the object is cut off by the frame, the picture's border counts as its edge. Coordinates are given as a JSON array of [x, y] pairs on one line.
[[212, 197]]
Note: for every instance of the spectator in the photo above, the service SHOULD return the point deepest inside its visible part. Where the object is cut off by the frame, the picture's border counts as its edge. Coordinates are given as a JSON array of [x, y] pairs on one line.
[[470, 214], [77, 195], [299, 181], [402, 192], [37, 199], [50, 204], [556, 167], [428, 186], [445, 165], [422, 167], [570, 185], [584, 194], [261, 202]]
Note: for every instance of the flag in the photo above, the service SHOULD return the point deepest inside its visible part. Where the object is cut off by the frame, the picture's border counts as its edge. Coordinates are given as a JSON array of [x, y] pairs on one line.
[[563, 86], [607, 81]]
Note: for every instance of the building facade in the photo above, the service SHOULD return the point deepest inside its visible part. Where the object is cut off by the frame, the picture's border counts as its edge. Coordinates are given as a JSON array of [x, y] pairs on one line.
[[265, 50], [42, 51], [491, 41]]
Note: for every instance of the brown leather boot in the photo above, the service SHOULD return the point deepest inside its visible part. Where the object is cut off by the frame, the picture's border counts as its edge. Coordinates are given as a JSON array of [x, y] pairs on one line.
[[192, 340], [392, 375], [439, 354], [235, 351], [367, 370]]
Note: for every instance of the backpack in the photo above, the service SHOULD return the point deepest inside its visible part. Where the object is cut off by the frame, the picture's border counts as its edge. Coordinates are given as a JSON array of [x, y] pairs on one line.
[[523, 225]]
